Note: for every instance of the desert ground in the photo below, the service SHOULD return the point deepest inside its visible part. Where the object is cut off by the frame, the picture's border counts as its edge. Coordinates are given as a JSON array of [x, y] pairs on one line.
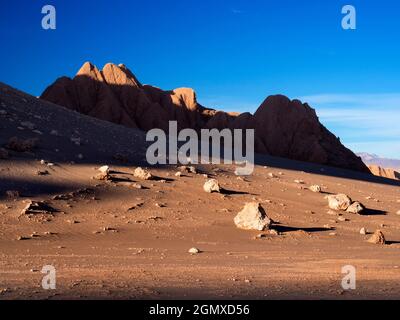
[[127, 238]]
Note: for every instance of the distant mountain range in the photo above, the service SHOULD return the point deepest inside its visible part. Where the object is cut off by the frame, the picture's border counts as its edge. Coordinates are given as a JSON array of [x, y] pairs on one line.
[[382, 167], [373, 159]]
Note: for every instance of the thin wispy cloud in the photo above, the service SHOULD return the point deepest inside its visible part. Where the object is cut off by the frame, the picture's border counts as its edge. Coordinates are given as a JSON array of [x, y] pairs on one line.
[[236, 11]]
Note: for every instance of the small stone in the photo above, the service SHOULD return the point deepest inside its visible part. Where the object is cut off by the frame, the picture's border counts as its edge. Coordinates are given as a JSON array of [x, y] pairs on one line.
[[194, 251], [102, 176], [273, 232], [42, 172], [355, 207], [398, 213], [363, 231], [104, 169], [142, 174], [178, 174], [315, 188], [299, 181], [377, 238], [271, 175], [28, 125], [21, 238], [211, 185]]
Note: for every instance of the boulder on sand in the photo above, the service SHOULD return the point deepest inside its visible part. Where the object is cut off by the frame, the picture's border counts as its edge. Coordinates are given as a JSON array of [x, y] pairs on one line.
[[377, 238], [339, 202], [252, 217], [142, 174], [211, 185], [315, 188], [355, 207]]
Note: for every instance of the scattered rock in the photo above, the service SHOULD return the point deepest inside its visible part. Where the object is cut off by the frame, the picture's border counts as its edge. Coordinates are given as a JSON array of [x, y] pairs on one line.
[[398, 213], [339, 202], [355, 207], [299, 181], [37, 207], [27, 124], [189, 169], [194, 251], [363, 231], [104, 169], [21, 238], [42, 172], [377, 238], [20, 145], [273, 232], [142, 174], [102, 176], [252, 217], [211, 185], [315, 188], [271, 175], [178, 174]]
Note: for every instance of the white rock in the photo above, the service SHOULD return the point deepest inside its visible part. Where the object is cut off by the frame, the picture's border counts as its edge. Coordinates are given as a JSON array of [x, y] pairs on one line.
[[398, 213], [363, 231], [104, 169], [211, 185], [178, 174], [252, 217], [142, 174], [339, 202], [355, 207], [194, 251], [28, 125], [315, 188]]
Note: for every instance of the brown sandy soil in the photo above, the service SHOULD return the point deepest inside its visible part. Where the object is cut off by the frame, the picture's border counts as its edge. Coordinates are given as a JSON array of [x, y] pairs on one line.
[[114, 241]]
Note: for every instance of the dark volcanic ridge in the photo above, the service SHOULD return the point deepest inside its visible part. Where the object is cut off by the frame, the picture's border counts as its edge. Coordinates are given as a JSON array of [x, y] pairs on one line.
[[283, 127]]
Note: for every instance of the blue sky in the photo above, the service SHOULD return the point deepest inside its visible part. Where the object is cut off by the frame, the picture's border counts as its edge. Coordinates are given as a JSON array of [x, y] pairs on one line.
[[233, 53]]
